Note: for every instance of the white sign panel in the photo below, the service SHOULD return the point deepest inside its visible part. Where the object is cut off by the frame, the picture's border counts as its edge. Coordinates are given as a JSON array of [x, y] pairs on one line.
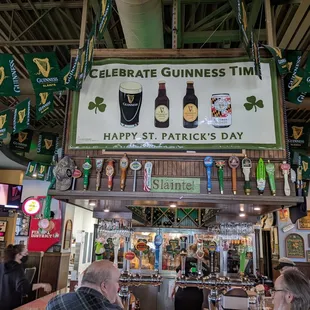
[[177, 105]]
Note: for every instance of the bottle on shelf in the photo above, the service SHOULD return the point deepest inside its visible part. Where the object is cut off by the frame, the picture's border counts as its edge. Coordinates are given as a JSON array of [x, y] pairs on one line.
[[190, 107]]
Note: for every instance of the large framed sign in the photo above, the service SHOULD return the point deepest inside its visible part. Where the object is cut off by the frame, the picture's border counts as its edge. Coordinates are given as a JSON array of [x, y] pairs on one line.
[[177, 104]]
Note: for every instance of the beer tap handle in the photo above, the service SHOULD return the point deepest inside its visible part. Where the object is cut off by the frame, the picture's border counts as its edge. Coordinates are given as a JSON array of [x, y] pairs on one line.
[[233, 163], [123, 166], [285, 171], [221, 179], [270, 171], [110, 173], [208, 163]]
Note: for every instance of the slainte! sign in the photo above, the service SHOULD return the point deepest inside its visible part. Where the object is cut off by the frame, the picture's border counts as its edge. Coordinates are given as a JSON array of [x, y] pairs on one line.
[[176, 185]]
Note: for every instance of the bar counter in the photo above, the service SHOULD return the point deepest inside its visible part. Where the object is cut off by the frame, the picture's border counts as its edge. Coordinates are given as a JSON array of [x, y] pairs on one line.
[[41, 303]]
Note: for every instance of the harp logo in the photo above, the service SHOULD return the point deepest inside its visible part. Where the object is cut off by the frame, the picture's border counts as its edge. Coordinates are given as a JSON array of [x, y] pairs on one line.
[[130, 98], [297, 132], [305, 165], [48, 143], [2, 75], [31, 168], [296, 82], [278, 51], [43, 65], [43, 98], [22, 136], [21, 116], [42, 169], [2, 120], [66, 77]]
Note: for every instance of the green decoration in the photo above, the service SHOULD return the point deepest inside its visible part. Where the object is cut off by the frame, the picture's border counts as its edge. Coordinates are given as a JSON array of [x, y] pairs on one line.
[[5, 117], [44, 104], [21, 119], [9, 81]]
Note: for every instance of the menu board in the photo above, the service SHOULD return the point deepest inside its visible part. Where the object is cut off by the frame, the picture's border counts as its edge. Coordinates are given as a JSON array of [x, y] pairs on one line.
[[294, 245]]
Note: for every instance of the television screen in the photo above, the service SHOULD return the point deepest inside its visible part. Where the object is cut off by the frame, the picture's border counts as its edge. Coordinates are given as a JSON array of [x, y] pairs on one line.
[[10, 195]]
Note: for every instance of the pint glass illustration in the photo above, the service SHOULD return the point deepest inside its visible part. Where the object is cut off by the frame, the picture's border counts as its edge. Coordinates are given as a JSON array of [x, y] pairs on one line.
[[130, 100]]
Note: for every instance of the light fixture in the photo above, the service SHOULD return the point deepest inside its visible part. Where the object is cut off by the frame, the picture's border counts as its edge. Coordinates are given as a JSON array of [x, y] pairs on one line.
[[242, 208], [92, 203], [173, 205], [106, 209], [145, 233], [242, 214], [256, 208]]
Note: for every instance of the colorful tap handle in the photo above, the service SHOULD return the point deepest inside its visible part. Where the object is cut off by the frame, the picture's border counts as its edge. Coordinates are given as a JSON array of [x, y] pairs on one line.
[[261, 176], [220, 172], [110, 173], [147, 178], [246, 169], [200, 254], [116, 243], [158, 240], [99, 167], [135, 166], [270, 169], [208, 163], [123, 164], [285, 167], [86, 172], [233, 163]]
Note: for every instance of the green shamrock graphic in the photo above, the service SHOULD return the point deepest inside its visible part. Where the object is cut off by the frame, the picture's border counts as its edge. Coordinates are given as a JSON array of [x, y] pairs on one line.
[[97, 105], [253, 103]]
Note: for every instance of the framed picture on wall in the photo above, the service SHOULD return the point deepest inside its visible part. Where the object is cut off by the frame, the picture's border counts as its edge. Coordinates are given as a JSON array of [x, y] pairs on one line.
[[294, 245], [308, 256], [304, 222], [22, 225], [68, 235]]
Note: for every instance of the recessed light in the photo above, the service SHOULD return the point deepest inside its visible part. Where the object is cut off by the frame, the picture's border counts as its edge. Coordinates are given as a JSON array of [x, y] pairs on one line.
[[257, 209], [242, 214], [106, 210], [173, 205], [92, 203]]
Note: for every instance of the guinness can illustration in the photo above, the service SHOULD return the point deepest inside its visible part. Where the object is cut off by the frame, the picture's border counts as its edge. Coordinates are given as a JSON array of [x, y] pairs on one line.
[[221, 110], [130, 100]]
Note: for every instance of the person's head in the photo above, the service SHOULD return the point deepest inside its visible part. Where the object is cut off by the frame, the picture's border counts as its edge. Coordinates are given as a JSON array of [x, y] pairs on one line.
[[284, 264], [291, 291], [102, 276], [17, 253], [249, 255]]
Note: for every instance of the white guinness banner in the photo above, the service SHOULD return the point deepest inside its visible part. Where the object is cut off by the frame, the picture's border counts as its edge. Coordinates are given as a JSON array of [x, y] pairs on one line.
[[177, 105]]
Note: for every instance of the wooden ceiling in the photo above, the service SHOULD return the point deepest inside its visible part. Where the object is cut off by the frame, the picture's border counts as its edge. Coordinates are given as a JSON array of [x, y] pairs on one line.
[[54, 25]]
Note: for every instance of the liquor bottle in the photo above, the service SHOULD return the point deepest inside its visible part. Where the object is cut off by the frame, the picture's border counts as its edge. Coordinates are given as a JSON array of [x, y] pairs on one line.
[[190, 107], [161, 107]]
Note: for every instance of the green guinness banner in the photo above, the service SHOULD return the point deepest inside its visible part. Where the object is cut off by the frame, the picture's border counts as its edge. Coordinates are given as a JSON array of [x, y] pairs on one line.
[[298, 135], [90, 50], [80, 68], [44, 72], [41, 171], [9, 82], [21, 117], [31, 168], [256, 56], [278, 55], [47, 143], [5, 118], [20, 142], [44, 104], [305, 84], [105, 14]]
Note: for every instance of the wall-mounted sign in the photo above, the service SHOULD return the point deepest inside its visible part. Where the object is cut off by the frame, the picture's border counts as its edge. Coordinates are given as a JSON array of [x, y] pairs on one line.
[[129, 255], [304, 222], [294, 245], [175, 185], [141, 246], [31, 206], [189, 104]]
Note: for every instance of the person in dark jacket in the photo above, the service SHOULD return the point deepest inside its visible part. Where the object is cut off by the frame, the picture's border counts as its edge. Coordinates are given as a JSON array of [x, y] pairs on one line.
[[190, 297], [13, 283]]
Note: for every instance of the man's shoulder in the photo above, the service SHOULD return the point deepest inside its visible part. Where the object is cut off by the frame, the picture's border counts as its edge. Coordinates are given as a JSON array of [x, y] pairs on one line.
[[63, 301]]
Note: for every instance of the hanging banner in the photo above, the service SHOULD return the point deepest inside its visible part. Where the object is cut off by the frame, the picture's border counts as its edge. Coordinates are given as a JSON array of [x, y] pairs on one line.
[[21, 142], [278, 55], [71, 78], [90, 45], [256, 56], [105, 14], [47, 143], [41, 171], [44, 104], [80, 68], [5, 118], [9, 81], [21, 119], [177, 105], [298, 135], [65, 73], [44, 72], [32, 166], [305, 84]]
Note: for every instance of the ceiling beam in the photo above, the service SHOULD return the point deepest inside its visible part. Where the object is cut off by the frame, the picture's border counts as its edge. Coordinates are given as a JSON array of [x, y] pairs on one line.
[[169, 2], [271, 37], [42, 5], [255, 10], [291, 29], [40, 42], [219, 36], [279, 2]]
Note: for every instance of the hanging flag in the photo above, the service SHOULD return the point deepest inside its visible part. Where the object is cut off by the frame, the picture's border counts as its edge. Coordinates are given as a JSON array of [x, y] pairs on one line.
[[21, 119], [21, 142], [90, 45], [44, 104], [105, 14], [47, 143], [298, 135], [305, 84], [5, 117], [31, 169], [72, 77], [44, 72], [278, 55], [80, 68], [41, 170], [9, 81], [256, 57]]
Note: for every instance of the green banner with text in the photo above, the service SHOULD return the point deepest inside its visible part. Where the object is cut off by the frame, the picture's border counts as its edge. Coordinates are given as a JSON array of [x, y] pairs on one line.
[[9, 81], [21, 142], [44, 104], [5, 118], [21, 118], [175, 185]]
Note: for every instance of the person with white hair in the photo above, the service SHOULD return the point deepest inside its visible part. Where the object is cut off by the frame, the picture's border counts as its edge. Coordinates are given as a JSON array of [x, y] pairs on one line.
[[284, 264]]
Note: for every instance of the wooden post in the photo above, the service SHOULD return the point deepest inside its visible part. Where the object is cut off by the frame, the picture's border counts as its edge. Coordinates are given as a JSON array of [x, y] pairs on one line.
[[83, 23], [271, 38]]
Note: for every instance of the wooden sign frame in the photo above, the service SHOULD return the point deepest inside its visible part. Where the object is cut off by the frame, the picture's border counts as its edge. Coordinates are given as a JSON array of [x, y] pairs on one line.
[[291, 243], [304, 222]]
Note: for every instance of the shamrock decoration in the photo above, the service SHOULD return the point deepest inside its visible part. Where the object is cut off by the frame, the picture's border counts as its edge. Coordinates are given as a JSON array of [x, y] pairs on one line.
[[97, 105], [253, 103]]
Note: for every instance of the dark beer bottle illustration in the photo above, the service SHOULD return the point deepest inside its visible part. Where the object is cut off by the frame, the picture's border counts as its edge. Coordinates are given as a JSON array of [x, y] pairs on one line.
[[161, 115], [190, 107]]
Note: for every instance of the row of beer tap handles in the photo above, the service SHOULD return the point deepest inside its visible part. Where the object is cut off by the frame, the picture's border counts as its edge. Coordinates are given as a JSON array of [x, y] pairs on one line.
[[233, 162], [246, 164]]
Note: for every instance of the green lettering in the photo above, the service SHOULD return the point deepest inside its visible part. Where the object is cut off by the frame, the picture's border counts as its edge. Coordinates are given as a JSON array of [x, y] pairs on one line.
[[122, 72], [184, 137], [222, 72], [139, 74], [214, 73], [233, 69], [207, 72], [248, 71], [224, 136], [130, 73], [166, 72], [155, 184], [102, 75], [114, 72], [240, 134], [153, 73], [92, 72]]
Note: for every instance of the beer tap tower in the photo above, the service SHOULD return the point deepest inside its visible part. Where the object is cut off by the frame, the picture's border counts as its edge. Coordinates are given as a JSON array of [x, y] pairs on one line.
[[217, 285]]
